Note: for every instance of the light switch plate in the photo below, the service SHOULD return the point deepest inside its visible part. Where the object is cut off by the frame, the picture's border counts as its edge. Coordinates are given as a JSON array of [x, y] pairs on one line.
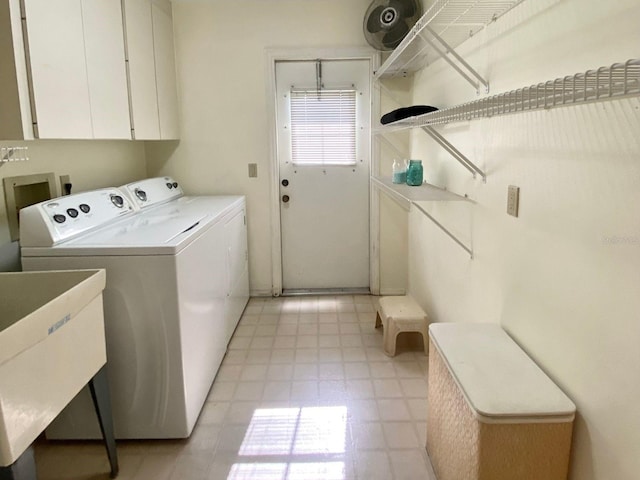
[[253, 170], [513, 200]]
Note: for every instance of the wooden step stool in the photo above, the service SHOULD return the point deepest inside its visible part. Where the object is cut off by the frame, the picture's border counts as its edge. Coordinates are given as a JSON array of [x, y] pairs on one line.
[[401, 314]]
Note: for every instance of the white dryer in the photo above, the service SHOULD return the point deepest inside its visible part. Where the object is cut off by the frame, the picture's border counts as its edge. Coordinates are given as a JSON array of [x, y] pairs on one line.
[[161, 194], [165, 301]]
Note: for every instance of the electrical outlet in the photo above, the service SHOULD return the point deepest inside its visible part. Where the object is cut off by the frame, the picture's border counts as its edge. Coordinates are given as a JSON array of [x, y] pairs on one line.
[[253, 170], [513, 199]]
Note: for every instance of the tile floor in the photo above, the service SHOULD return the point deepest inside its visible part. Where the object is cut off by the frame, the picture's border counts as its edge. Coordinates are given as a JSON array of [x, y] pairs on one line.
[[304, 393]]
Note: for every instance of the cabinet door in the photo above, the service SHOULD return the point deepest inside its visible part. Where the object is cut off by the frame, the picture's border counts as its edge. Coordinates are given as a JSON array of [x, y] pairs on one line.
[[106, 68], [15, 111], [165, 71], [142, 69], [58, 68]]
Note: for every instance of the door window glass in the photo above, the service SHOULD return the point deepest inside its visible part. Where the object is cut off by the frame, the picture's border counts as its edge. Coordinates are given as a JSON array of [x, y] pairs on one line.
[[323, 127]]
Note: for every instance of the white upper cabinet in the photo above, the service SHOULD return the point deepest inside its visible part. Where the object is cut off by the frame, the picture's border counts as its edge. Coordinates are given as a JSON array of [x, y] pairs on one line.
[[142, 69], [106, 68], [165, 70], [65, 65], [15, 106], [58, 69], [68, 75], [152, 78]]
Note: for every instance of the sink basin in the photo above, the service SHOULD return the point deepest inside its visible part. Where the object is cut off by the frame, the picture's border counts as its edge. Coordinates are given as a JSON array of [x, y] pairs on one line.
[[51, 344]]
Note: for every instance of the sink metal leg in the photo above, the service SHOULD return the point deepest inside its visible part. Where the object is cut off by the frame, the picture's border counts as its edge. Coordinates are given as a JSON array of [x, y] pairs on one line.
[[24, 468], [99, 387]]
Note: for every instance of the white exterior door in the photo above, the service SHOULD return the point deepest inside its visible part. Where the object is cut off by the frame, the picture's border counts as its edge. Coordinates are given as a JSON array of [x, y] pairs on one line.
[[323, 112]]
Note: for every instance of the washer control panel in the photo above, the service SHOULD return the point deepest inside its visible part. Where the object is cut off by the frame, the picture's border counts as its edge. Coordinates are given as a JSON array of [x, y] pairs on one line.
[[54, 221], [153, 191]]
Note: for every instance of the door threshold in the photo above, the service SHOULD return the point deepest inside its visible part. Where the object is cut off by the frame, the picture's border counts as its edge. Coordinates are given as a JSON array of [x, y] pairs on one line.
[[299, 292]]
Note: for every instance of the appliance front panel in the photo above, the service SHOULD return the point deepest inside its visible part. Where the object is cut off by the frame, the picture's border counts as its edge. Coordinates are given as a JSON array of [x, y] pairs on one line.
[[144, 352]]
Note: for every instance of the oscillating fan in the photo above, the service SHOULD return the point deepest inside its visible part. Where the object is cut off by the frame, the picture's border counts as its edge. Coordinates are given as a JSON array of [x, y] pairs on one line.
[[388, 21]]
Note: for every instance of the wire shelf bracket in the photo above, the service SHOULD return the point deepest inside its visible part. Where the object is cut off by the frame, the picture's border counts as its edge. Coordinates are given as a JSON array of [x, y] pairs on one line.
[[467, 72], [454, 152], [407, 197], [444, 229]]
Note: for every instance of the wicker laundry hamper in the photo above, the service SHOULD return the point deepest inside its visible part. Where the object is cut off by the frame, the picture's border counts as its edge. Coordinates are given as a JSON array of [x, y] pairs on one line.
[[493, 413]]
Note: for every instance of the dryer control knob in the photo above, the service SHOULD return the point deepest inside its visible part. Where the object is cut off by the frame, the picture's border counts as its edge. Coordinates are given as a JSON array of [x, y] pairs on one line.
[[72, 212], [141, 194], [117, 200], [59, 218], [84, 208]]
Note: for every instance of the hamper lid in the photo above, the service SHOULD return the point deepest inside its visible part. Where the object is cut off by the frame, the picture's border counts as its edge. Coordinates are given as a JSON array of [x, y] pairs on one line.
[[500, 382]]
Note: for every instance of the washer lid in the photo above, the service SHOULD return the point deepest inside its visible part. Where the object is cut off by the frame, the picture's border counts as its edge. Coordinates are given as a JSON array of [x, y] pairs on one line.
[[144, 230], [500, 382], [212, 205], [139, 235]]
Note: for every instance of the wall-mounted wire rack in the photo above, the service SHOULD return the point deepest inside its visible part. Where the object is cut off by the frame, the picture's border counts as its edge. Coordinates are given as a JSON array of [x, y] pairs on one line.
[[13, 154], [620, 80], [444, 27]]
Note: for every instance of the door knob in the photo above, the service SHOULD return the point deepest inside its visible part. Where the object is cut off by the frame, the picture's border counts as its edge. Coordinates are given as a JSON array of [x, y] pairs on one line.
[[285, 182], [285, 198]]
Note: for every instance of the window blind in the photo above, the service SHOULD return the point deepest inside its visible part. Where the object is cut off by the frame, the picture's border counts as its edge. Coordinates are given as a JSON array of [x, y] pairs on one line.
[[323, 127]]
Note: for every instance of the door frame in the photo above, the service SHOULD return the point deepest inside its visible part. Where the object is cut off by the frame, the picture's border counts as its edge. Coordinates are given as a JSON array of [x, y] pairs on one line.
[[311, 54]]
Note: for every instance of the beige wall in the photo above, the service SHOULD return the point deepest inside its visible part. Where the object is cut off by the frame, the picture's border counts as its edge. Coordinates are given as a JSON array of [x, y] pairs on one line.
[[564, 277], [221, 50], [393, 216], [91, 164]]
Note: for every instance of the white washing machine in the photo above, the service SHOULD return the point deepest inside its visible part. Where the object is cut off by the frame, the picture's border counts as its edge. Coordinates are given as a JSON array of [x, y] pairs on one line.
[[166, 300]]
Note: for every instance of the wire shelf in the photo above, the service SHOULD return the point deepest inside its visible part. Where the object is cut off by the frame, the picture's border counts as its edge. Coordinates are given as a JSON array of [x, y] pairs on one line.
[[453, 21], [409, 197], [13, 154], [421, 193], [620, 80]]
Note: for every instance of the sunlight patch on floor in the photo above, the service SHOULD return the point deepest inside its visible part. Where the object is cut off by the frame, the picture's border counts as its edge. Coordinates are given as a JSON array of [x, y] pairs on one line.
[[299, 435]]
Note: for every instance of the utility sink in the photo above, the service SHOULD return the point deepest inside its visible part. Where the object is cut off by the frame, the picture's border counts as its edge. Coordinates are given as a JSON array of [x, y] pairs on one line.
[[51, 344]]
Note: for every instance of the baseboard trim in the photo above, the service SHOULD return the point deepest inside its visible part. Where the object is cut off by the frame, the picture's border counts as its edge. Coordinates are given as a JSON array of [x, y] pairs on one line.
[[294, 292]]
